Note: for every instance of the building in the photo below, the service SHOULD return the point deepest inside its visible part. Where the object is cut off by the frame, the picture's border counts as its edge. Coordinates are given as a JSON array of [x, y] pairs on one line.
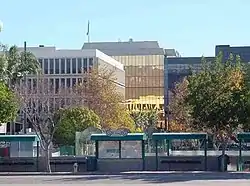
[[143, 62], [175, 69], [242, 51], [63, 69]]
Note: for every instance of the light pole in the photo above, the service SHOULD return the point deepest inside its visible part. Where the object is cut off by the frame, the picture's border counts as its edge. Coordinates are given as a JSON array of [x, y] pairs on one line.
[[25, 79]]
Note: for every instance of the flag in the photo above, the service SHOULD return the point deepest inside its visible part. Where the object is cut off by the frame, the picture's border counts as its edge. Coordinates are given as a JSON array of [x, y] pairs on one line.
[[88, 29]]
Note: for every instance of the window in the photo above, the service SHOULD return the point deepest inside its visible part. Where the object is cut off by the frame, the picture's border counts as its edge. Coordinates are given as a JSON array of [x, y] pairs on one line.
[[85, 65], [79, 65], [62, 66], [68, 66], [63, 83], [91, 64], [74, 66], [46, 66], [57, 66], [56, 86], [68, 83], [41, 63], [51, 85], [51, 66], [73, 82]]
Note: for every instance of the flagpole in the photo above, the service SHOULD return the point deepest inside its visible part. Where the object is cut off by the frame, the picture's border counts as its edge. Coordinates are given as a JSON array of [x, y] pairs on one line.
[[88, 33]]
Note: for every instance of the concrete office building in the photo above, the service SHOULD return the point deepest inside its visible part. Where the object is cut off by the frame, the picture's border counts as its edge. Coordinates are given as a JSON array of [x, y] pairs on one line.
[[143, 62], [63, 69]]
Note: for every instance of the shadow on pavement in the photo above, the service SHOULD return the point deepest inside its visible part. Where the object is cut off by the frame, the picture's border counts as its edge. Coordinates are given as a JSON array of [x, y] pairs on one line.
[[162, 177]]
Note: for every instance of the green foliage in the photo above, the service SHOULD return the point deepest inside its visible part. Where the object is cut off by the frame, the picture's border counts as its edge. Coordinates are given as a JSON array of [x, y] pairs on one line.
[[218, 97], [8, 104], [145, 119], [14, 65], [72, 120]]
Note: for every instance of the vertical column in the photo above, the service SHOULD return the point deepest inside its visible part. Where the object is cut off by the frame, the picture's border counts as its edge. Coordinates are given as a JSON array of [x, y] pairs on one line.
[[120, 149], [205, 154], [156, 154], [240, 156], [143, 154]]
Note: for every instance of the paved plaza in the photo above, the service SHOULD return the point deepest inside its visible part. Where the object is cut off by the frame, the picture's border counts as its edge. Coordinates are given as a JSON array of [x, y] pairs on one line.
[[161, 178]]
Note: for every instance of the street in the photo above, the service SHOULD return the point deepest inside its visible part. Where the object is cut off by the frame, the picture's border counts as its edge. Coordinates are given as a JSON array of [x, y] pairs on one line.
[[169, 179]]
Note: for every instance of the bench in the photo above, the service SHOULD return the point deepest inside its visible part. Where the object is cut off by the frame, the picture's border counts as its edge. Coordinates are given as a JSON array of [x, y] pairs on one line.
[[16, 163], [67, 162]]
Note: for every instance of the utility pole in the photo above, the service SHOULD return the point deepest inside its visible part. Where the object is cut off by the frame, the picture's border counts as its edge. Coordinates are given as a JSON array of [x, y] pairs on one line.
[[25, 82]]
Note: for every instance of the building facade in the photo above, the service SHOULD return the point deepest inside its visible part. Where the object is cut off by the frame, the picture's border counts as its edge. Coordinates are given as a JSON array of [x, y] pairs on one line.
[[242, 51], [143, 62], [175, 69], [61, 70]]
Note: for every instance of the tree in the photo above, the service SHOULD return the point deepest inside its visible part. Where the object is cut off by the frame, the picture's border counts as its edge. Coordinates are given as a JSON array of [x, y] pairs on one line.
[[145, 119], [8, 104], [37, 102], [218, 98], [74, 120], [180, 112], [99, 92], [14, 65]]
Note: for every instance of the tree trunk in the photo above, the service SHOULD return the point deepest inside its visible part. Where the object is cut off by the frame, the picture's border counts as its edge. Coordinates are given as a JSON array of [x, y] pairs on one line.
[[224, 145], [47, 158]]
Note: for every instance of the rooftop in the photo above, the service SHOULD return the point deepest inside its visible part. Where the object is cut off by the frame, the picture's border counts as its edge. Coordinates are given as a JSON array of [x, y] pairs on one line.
[[126, 48]]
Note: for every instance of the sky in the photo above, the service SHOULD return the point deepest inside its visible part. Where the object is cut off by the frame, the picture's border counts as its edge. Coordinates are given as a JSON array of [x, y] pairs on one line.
[[192, 27]]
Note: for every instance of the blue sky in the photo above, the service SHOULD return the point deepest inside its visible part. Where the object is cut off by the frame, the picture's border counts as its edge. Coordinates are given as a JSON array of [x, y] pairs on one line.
[[193, 27]]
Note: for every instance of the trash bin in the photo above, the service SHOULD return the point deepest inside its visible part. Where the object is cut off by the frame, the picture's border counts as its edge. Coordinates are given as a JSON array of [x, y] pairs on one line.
[[226, 162], [91, 164]]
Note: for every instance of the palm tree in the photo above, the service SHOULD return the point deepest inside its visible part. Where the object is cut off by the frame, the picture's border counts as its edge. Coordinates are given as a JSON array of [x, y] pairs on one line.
[[14, 65]]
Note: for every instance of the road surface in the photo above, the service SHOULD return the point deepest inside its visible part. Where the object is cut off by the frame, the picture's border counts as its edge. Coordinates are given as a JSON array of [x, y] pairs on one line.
[[168, 179]]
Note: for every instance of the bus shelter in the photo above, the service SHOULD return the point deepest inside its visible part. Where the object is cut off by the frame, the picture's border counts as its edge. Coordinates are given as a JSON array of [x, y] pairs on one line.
[[244, 151], [180, 160], [119, 152], [17, 152]]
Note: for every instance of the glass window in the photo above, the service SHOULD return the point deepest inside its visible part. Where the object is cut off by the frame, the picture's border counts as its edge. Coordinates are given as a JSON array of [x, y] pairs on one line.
[[62, 82], [68, 83], [131, 149], [56, 86], [108, 149], [68, 66], [79, 65], [51, 66], [57, 66], [73, 82], [91, 64], [74, 66], [46, 66], [41, 63], [62, 66], [51, 85], [85, 65]]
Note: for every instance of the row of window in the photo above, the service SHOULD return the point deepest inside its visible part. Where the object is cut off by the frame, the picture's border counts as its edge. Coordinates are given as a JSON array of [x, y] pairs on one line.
[[54, 85], [66, 65]]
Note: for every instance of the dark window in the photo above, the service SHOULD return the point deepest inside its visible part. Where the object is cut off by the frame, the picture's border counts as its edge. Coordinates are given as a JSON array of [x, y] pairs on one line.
[[41, 63], [91, 64], [68, 66], [85, 65], [73, 65], [51, 66], [56, 86], [79, 65], [63, 83], [62, 66], [73, 82], [51, 85], [68, 83], [57, 66], [46, 66]]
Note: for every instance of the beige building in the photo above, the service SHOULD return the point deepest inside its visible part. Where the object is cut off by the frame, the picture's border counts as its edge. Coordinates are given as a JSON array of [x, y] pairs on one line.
[[143, 62]]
